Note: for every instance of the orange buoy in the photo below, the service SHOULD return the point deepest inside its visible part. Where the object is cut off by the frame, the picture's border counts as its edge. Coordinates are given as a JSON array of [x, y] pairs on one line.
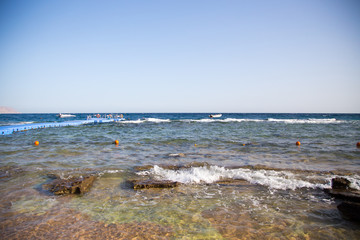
[[298, 143], [358, 144], [116, 142], [36, 143]]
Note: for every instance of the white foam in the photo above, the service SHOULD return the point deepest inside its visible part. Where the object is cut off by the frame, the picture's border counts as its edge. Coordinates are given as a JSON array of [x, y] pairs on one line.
[[157, 120], [113, 171], [227, 120], [132, 121], [310, 120], [269, 178], [207, 120]]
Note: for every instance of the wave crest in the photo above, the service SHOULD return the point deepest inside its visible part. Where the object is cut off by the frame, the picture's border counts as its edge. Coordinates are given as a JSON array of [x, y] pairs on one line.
[[272, 179]]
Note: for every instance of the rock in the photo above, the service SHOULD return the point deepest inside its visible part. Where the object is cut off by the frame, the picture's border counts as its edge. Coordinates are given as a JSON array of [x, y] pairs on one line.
[[347, 195], [340, 183], [177, 155], [233, 182], [140, 184], [74, 185], [341, 190], [350, 207], [173, 167], [350, 210], [196, 164]]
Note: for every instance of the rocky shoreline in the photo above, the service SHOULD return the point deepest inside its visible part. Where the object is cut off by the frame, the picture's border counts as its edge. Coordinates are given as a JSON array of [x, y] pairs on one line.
[[340, 190]]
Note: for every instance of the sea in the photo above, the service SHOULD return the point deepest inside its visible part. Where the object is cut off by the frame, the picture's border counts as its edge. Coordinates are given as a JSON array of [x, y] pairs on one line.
[[241, 176]]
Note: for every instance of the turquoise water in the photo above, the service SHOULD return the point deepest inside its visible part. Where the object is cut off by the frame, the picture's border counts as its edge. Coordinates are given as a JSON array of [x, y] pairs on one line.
[[282, 196]]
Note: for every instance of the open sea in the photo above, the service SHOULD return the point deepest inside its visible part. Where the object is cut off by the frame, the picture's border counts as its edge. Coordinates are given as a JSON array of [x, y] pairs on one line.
[[243, 176]]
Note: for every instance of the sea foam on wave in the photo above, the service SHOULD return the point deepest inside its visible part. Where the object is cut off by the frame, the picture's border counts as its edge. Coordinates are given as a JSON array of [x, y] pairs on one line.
[[269, 178], [206, 120], [310, 120], [154, 120]]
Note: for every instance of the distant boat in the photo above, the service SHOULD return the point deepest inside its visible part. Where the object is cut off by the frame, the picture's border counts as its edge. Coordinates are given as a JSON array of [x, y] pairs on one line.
[[215, 115], [60, 115]]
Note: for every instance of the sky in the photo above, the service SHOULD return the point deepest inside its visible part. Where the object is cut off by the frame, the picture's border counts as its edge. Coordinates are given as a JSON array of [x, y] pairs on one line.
[[246, 56]]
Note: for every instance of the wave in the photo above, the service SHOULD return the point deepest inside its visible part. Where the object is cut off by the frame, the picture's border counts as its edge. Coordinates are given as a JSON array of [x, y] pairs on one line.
[[240, 120], [310, 120], [281, 180], [153, 120], [205, 120]]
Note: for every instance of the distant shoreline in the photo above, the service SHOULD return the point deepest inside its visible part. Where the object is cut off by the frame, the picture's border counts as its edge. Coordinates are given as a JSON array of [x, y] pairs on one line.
[[7, 110]]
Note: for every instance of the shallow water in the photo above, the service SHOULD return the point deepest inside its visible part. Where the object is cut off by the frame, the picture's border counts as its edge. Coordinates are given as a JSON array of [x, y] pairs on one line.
[[275, 192]]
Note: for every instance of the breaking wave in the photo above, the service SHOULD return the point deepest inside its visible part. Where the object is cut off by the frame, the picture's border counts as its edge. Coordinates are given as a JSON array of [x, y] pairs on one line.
[[270, 178], [153, 120], [310, 120], [240, 120]]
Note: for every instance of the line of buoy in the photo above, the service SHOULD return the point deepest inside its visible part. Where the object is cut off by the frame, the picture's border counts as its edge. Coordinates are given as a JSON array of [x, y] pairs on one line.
[[116, 142]]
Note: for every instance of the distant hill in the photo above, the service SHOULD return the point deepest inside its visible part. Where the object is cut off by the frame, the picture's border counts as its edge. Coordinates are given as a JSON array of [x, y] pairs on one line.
[[7, 110]]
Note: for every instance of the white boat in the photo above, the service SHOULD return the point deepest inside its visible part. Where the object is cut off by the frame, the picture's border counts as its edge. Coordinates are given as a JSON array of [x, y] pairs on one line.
[[60, 115], [215, 115]]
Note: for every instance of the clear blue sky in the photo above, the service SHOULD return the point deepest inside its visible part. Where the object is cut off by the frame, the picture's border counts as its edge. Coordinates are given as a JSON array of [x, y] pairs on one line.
[[180, 56]]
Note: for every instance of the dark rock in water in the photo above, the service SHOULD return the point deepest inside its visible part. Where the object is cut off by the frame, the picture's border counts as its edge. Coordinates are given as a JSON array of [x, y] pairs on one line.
[[233, 182], [10, 171], [173, 167], [74, 185], [350, 207], [340, 183], [350, 210], [177, 155], [341, 190], [140, 184], [347, 195]]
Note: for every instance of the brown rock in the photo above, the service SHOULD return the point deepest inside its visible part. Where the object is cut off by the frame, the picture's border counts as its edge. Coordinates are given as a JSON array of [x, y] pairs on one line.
[[233, 182], [347, 195], [340, 183], [140, 184], [75, 185], [173, 167]]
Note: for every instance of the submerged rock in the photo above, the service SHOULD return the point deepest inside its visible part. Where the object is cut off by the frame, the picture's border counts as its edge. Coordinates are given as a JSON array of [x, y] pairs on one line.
[[350, 210], [10, 171], [141, 184], [177, 155], [233, 182], [348, 195], [74, 185]]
